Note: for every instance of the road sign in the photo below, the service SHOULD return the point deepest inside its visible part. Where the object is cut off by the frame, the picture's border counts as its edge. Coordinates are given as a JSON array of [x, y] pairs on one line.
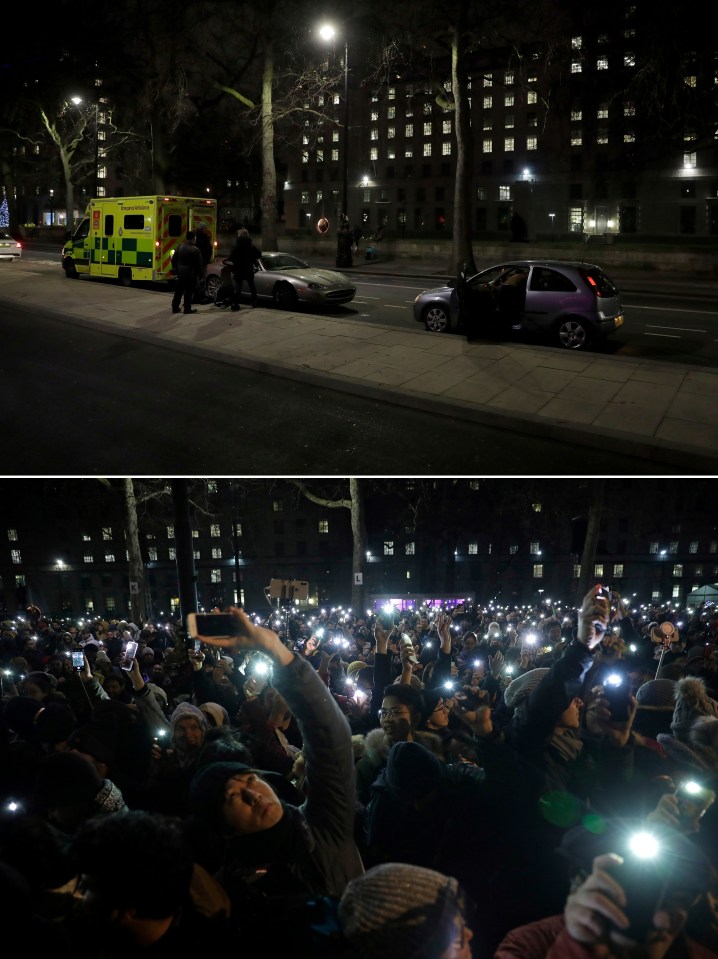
[[134, 588]]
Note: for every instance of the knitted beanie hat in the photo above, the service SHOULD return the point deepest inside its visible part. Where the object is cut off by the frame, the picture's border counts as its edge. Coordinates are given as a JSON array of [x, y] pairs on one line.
[[395, 909], [692, 701], [522, 687], [216, 714], [656, 694], [183, 711], [356, 667]]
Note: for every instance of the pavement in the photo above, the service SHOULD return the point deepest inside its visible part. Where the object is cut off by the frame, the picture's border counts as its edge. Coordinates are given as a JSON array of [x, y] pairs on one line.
[[662, 412]]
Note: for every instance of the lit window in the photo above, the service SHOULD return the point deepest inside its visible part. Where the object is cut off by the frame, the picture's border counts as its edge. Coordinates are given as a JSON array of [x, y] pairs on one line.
[[508, 144], [374, 153], [602, 135], [409, 130], [678, 569], [473, 549], [673, 546], [693, 546], [509, 121], [575, 219], [629, 109], [602, 63], [390, 133], [410, 549], [689, 81], [689, 160], [110, 604], [87, 558], [391, 93], [195, 534], [629, 137], [107, 532], [323, 526], [336, 99], [576, 66], [86, 538], [216, 552], [389, 547], [653, 548], [513, 550], [446, 149], [504, 192], [109, 557], [473, 484], [532, 96], [487, 80], [305, 196], [172, 553], [508, 78], [576, 140], [446, 126], [320, 156], [152, 554], [319, 192], [532, 143], [196, 554], [408, 574], [698, 571], [629, 59], [488, 103], [305, 157], [487, 123], [481, 194], [535, 548], [427, 110], [216, 576], [509, 100], [487, 146], [576, 115], [427, 150], [390, 113], [576, 570], [278, 506], [374, 133], [408, 153], [374, 117], [537, 507], [12, 535], [170, 532], [676, 593], [602, 112], [538, 570], [617, 570], [427, 129], [598, 570]]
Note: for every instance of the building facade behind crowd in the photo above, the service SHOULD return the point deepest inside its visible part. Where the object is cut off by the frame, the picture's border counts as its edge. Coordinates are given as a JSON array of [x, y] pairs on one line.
[[328, 781]]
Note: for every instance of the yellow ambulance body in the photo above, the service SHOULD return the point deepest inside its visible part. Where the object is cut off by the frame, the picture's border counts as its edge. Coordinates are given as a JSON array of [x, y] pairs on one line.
[[133, 237]]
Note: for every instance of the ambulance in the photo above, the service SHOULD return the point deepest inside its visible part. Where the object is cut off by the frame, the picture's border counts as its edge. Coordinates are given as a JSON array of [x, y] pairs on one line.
[[132, 238]]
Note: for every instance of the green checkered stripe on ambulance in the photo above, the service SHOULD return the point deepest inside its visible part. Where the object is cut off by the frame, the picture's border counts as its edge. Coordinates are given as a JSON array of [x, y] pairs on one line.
[[126, 255]]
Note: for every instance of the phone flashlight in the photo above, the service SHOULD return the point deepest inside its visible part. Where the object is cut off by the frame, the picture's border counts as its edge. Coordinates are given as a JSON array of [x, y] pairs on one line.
[[448, 684], [261, 669]]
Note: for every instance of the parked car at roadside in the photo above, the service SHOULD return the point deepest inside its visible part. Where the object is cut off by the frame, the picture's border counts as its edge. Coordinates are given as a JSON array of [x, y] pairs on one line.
[[290, 282], [573, 304], [10, 248]]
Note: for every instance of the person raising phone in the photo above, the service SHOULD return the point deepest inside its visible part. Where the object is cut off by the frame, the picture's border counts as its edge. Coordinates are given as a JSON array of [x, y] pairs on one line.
[[272, 851]]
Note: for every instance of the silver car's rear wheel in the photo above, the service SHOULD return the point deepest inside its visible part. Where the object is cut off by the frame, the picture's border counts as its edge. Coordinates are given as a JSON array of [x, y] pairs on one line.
[[573, 333], [437, 319], [212, 285]]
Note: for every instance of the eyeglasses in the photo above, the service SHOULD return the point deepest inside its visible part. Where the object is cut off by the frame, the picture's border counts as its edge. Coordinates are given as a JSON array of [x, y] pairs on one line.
[[392, 713]]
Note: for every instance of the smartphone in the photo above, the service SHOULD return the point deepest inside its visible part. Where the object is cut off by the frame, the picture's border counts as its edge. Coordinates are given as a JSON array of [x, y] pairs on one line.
[[197, 646], [216, 625], [617, 691], [78, 660], [694, 800], [406, 641], [128, 656]]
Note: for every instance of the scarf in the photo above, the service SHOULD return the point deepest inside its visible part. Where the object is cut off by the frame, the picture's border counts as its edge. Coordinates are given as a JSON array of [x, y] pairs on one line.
[[566, 744]]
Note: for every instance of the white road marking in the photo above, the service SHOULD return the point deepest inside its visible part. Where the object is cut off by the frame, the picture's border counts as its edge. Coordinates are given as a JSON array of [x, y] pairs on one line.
[[683, 329], [667, 309], [666, 336]]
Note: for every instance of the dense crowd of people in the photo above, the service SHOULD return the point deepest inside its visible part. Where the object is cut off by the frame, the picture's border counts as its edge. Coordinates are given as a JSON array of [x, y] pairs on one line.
[[465, 783]]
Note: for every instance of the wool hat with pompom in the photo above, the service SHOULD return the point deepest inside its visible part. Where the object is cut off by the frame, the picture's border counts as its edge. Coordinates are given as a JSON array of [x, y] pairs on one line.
[[396, 909]]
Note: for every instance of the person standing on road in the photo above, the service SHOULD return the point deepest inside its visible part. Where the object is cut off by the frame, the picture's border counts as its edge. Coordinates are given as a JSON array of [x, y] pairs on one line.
[[188, 268], [244, 257], [204, 245]]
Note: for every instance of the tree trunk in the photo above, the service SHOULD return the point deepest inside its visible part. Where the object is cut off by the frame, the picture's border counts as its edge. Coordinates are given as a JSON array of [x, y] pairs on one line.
[[269, 170], [359, 542], [138, 600], [461, 251], [588, 558]]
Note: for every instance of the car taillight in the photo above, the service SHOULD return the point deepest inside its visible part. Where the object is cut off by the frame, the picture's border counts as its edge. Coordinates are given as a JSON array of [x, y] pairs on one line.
[[592, 283]]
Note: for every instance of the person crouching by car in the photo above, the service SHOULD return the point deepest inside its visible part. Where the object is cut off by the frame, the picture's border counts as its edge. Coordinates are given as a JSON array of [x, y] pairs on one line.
[[243, 260]]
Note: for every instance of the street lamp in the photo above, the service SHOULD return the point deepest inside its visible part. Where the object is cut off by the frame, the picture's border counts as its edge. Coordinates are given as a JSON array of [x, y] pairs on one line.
[[77, 101], [327, 32]]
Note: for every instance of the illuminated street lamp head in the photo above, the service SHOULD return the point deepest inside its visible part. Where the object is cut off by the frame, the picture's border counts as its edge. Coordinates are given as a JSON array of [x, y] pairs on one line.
[[76, 100], [327, 32]]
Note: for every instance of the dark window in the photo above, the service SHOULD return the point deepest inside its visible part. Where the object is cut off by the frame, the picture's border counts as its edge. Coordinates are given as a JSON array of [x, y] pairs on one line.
[[136, 221], [439, 193], [323, 546], [174, 225], [600, 190], [688, 219], [109, 224], [576, 163], [503, 217], [420, 194], [426, 170], [486, 167], [279, 526], [85, 582], [301, 548], [629, 190], [279, 549], [549, 281], [508, 166], [300, 522], [319, 175], [401, 195], [628, 219], [575, 191], [481, 219], [409, 170], [446, 169], [390, 173], [106, 579], [439, 218], [688, 189]]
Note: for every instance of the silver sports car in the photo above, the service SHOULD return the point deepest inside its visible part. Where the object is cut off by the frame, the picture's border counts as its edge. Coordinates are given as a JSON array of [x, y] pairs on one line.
[[289, 282]]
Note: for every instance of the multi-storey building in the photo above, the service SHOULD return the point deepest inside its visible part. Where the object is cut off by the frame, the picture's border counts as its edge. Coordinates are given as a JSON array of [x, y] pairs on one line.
[[64, 548], [576, 139]]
